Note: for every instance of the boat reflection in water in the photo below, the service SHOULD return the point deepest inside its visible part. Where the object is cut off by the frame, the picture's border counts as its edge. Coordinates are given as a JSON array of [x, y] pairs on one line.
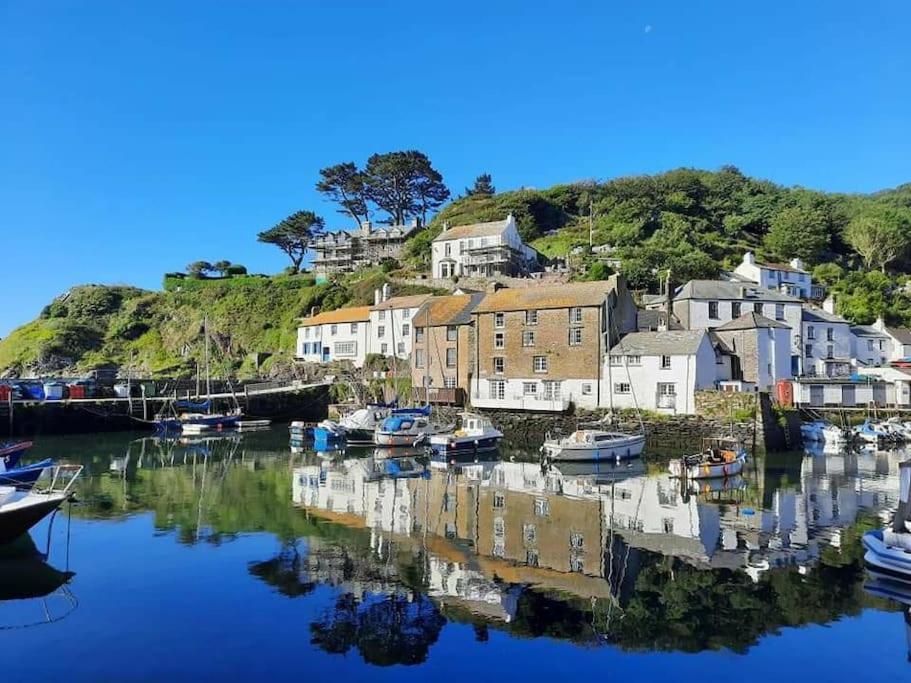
[[32, 592], [687, 565]]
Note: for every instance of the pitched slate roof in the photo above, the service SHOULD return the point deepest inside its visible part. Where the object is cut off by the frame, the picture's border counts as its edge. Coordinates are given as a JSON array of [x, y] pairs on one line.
[[734, 291], [667, 343], [651, 319], [568, 295], [751, 321], [867, 331], [901, 334], [448, 310], [396, 302], [816, 314], [340, 315], [473, 230], [781, 266]]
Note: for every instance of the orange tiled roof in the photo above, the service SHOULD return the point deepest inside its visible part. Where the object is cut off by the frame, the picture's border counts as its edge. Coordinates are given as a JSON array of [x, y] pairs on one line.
[[355, 314], [569, 295], [454, 309]]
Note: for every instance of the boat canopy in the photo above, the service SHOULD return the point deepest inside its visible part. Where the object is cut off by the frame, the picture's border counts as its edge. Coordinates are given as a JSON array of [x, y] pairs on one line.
[[398, 423]]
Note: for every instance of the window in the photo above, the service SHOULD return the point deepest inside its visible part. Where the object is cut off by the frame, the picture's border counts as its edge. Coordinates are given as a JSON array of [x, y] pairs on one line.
[[528, 338], [450, 358], [333, 330], [418, 334], [575, 315], [757, 308], [540, 364], [452, 333], [576, 564], [735, 309], [551, 391], [808, 350], [499, 340], [306, 333], [499, 320], [406, 314], [667, 389], [870, 346], [381, 315], [529, 388], [665, 362], [447, 249], [668, 525], [499, 548], [811, 332], [542, 507], [345, 348], [353, 328], [529, 533], [616, 360], [499, 527], [418, 357], [713, 310], [531, 317], [779, 311], [622, 388], [576, 541], [830, 351], [575, 336], [449, 382], [381, 331], [586, 389], [499, 365], [406, 330], [499, 500], [830, 334], [401, 348], [531, 558], [634, 360]]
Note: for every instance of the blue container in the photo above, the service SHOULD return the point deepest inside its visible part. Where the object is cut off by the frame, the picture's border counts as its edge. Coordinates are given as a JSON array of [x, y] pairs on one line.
[[33, 392]]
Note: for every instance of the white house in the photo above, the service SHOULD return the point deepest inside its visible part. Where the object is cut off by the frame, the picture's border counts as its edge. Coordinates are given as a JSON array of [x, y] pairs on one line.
[[900, 340], [827, 342], [708, 304], [870, 347], [334, 336], [789, 278], [481, 250], [391, 332], [761, 347], [660, 370]]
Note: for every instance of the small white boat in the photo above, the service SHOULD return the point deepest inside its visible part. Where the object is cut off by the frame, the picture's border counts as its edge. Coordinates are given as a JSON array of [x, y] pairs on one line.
[[21, 510], [889, 550], [593, 445], [250, 425], [406, 430], [720, 458], [820, 431], [476, 435]]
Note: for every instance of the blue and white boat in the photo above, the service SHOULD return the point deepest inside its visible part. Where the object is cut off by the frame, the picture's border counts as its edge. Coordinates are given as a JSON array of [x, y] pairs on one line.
[[889, 550], [872, 432], [24, 478], [11, 452], [407, 429], [477, 435]]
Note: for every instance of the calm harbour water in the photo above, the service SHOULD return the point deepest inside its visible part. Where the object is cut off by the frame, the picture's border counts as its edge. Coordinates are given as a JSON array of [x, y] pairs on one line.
[[235, 559]]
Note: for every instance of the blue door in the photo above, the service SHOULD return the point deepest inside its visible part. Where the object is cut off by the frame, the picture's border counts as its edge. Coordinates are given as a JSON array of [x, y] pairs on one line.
[[325, 354]]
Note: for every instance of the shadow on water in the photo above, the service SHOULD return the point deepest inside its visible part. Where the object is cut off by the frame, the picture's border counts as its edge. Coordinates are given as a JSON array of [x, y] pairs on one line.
[[620, 555]]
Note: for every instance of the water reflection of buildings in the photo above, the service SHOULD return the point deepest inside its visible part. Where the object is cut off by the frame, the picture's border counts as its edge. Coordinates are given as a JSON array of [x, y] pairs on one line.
[[488, 527]]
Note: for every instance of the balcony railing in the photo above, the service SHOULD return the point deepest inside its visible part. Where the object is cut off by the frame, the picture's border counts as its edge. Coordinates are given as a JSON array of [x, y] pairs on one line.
[[520, 402], [454, 396]]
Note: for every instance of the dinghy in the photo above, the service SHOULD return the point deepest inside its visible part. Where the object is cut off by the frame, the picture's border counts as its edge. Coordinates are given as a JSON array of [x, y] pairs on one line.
[[720, 458], [889, 550]]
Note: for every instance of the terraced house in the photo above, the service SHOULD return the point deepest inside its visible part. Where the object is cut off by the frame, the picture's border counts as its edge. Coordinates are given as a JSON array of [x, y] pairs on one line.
[[442, 359], [334, 336], [541, 348]]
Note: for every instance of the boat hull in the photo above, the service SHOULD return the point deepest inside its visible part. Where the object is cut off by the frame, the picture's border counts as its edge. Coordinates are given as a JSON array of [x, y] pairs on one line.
[[24, 478], [10, 454], [626, 449], [16, 522], [708, 470], [358, 436], [889, 561], [457, 446]]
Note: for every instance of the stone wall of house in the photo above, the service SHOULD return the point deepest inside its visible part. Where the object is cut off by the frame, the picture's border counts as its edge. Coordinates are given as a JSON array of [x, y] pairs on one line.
[[725, 404]]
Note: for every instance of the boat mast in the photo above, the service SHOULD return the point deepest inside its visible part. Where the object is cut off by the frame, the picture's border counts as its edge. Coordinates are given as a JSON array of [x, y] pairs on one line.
[[205, 327]]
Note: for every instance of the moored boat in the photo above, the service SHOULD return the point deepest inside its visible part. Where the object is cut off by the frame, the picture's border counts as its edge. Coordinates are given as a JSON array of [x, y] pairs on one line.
[[21, 510], [476, 435], [406, 429], [11, 452], [24, 477], [594, 445], [720, 458], [888, 551]]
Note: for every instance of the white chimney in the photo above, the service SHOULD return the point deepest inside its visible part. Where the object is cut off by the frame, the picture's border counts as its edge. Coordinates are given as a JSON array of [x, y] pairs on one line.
[[829, 304], [376, 297], [880, 324], [366, 227], [749, 258], [385, 291], [796, 264]]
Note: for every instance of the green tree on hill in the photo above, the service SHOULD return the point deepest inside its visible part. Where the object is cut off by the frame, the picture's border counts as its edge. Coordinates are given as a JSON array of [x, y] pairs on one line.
[[880, 235], [346, 185], [199, 268], [483, 187], [293, 235], [798, 231], [404, 184], [221, 267]]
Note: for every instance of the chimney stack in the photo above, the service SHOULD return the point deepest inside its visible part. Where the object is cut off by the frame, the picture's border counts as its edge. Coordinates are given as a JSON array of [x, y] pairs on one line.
[[880, 324], [385, 291], [749, 258], [376, 297], [829, 304], [668, 302], [796, 264]]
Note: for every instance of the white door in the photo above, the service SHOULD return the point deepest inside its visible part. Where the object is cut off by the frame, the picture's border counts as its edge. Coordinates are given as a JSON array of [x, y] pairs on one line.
[[667, 395]]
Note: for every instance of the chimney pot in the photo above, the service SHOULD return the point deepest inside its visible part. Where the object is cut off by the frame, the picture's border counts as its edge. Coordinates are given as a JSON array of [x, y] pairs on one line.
[[376, 297]]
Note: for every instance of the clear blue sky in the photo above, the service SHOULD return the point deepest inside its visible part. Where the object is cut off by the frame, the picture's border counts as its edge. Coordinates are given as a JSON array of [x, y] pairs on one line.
[[136, 137]]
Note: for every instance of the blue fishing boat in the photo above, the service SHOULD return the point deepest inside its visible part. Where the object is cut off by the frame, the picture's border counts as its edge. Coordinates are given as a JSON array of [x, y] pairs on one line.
[[24, 478], [11, 452]]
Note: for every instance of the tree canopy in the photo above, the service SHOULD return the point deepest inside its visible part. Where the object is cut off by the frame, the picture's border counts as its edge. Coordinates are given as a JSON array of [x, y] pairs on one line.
[[345, 185], [483, 187], [293, 235]]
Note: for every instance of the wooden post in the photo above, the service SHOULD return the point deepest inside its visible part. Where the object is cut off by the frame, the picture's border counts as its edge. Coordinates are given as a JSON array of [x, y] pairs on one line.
[[145, 408]]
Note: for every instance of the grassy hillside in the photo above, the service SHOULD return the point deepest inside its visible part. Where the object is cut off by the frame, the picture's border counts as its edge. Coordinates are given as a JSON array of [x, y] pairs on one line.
[[160, 333]]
